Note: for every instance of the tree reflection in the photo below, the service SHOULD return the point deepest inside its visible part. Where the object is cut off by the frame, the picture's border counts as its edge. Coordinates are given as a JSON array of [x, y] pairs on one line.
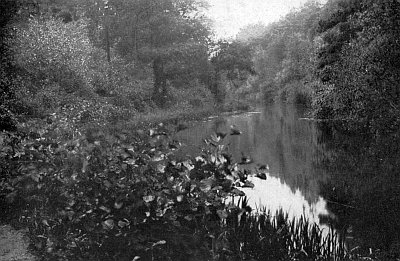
[[363, 191]]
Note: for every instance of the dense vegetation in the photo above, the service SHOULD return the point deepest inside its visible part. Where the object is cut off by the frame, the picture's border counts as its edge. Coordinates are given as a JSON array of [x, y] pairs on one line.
[[131, 58], [342, 58], [84, 164]]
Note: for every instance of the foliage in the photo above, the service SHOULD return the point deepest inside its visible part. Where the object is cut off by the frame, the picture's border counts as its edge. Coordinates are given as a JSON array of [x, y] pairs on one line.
[[297, 92], [53, 51], [57, 66], [172, 35], [363, 74], [232, 65], [52, 59], [196, 96], [8, 103], [90, 195], [85, 193], [267, 236], [284, 56], [105, 197], [8, 118], [251, 32]]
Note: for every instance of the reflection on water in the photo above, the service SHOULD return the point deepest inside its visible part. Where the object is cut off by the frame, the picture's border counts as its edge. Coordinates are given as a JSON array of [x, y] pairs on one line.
[[363, 189], [277, 138], [348, 180], [274, 195]]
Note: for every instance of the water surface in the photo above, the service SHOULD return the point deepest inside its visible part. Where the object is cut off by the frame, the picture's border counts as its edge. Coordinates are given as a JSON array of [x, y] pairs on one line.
[[278, 138], [315, 169]]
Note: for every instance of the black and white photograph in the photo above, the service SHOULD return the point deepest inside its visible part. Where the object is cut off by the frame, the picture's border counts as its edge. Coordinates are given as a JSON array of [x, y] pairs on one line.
[[200, 130]]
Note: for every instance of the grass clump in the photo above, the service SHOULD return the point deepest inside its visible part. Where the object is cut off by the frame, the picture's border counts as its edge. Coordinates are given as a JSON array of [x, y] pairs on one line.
[[264, 236]]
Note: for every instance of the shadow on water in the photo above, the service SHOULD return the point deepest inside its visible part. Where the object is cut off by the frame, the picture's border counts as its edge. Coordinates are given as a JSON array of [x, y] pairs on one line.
[[347, 180], [363, 189]]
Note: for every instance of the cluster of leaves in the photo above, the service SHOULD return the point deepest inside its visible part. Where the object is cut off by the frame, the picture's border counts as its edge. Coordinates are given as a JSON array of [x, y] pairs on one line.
[[104, 197]]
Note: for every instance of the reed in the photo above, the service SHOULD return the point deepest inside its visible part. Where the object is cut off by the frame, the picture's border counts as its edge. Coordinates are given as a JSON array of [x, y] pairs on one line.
[[261, 235]]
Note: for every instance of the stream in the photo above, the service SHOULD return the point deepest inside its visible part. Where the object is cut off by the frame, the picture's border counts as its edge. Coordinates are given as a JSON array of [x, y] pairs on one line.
[[313, 169]]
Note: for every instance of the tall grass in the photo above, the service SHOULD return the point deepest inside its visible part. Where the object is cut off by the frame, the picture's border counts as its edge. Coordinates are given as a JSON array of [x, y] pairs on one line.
[[262, 235]]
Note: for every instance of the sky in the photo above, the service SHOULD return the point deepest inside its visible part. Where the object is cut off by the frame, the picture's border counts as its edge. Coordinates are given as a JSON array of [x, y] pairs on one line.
[[231, 15]]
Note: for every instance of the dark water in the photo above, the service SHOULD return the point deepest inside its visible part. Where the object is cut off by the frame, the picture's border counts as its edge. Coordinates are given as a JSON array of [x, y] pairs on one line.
[[316, 170]]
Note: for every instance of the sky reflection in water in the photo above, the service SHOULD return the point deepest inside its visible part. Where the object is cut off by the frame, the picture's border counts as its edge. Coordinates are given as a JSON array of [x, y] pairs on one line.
[[275, 195], [348, 180], [288, 146]]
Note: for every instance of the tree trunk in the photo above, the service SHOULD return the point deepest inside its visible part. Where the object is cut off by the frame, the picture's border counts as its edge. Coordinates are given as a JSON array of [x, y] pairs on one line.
[[160, 91]]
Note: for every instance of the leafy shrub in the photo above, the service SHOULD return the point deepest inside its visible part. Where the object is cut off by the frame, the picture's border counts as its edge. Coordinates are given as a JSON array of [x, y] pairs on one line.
[[104, 197]]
